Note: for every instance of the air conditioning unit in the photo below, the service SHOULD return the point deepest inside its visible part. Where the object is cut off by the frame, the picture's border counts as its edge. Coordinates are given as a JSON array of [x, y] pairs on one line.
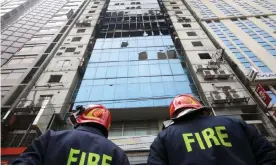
[[212, 65], [209, 74], [218, 97], [223, 74], [236, 96]]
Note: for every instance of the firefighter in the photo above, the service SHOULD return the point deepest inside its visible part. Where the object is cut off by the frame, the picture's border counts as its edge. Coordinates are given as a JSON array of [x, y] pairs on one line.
[[86, 144], [192, 136]]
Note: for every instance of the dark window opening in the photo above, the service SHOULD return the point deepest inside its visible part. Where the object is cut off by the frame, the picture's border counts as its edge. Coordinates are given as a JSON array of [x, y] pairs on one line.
[[91, 11], [204, 56], [96, 2], [172, 3], [178, 12], [94, 6], [191, 34], [197, 44], [70, 49], [81, 30], [76, 39], [54, 78], [176, 7], [186, 25]]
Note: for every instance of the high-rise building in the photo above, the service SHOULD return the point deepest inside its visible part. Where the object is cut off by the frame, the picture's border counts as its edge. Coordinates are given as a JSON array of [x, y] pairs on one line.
[[134, 57]]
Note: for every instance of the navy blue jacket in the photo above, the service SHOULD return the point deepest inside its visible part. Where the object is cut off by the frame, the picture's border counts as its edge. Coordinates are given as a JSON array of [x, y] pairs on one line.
[[211, 140], [83, 145]]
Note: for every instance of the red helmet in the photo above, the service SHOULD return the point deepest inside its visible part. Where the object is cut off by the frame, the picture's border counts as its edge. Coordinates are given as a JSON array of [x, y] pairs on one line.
[[183, 101], [95, 113]]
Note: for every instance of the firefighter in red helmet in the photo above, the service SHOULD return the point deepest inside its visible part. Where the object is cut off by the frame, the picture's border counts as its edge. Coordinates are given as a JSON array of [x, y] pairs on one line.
[[86, 144], [192, 136]]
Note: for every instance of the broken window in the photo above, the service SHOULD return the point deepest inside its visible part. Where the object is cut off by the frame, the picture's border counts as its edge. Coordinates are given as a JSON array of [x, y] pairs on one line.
[[191, 34], [70, 49], [81, 30], [204, 56], [197, 44], [76, 39], [143, 55], [124, 44], [54, 78]]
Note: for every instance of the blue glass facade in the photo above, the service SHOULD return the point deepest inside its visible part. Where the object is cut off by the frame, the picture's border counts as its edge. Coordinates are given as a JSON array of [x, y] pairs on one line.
[[242, 53], [227, 9], [205, 12], [117, 78], [246, 6], [266, 4], [269, 21], [263, 38]]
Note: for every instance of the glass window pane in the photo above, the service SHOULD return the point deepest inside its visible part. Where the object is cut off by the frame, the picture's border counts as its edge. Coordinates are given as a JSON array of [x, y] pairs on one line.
[[157, 89], [140, 131], [111, 72], [96, 93], [129, 132], [101, 72], [133, 91], [121, 91], [90, 73], [154, 70], [83, 94], [108, 92], [133, 71], [122, 71], [145, 90], [165, 69], [115, 132], [144, 70]]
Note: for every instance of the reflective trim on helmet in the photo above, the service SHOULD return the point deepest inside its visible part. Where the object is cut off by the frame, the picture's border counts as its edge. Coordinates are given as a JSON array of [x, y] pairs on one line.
[[167, 123], [189, 111]]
